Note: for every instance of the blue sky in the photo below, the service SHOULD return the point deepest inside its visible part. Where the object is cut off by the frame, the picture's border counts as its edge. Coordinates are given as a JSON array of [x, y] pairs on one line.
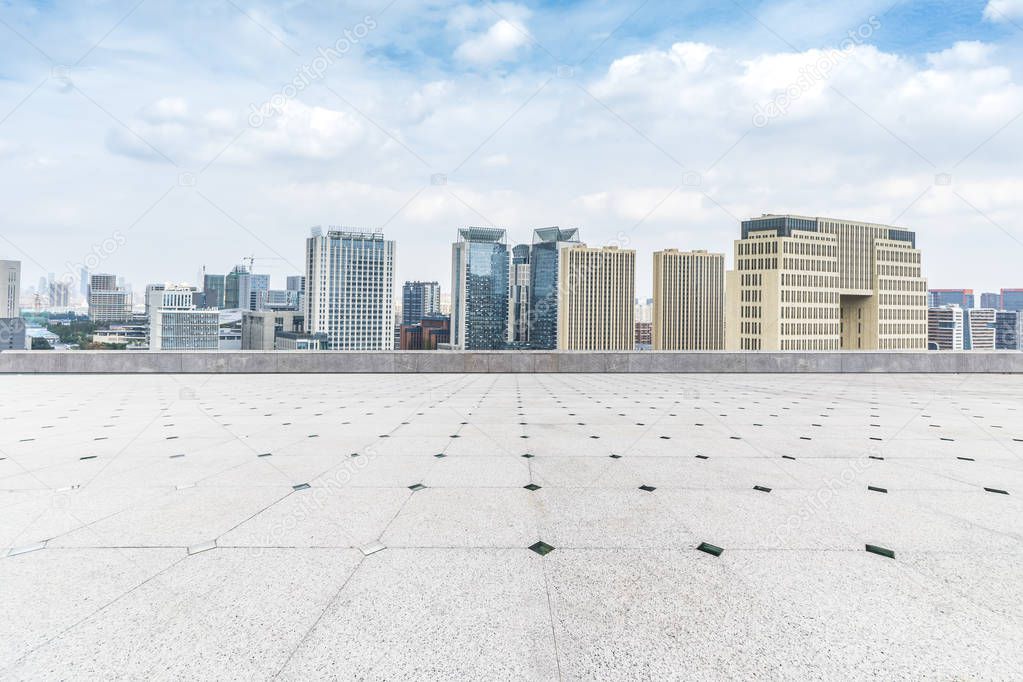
[[635, 121]]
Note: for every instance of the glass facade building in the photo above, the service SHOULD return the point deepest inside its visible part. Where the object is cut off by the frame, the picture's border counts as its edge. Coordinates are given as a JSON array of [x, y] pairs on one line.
[[213, 288], [1012, 299], [419, 300], [963, 298], [479, 289], [1009, 330], [544, 258]]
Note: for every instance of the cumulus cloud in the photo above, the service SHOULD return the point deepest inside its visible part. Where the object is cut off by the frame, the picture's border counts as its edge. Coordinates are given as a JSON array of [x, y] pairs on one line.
[[1003, 10], [501, 42]]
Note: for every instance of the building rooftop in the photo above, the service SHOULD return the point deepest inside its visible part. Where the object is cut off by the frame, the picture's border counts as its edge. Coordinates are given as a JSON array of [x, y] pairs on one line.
[[497, 526]]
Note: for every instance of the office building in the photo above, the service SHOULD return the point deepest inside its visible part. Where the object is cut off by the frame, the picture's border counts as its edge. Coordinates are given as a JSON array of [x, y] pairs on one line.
[[10, 289], [479, 289], [129, 335], [544, 270], [979, 329], [262, 330], [419, 300], [805, 283], [689, 300], [108, 301], [1009, 330], [277, 299], [214, 288], [59, 295], [428, 334], [297, 283], [964, 298], [946, 328], [645, 310], [596, 300], [518, 296], [242, 287], [301, 341], [350, 289], [991, 301], [176, 324], [1011, 299]]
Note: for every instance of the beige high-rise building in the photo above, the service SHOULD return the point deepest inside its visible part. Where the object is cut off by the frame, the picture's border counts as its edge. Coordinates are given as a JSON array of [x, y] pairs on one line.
[[689, 300], [596, 298], [803, 283]]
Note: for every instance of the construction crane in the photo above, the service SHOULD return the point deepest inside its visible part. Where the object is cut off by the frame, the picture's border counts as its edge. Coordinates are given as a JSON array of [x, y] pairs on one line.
[[252, 260]]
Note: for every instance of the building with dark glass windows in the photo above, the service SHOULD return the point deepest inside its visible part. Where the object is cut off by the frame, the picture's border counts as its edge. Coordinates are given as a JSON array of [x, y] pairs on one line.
[[544, 258], [479, 289], [419, 300], [964, 298]]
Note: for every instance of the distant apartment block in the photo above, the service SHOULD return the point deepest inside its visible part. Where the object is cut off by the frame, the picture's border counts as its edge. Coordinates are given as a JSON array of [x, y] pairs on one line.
[[689, 300], [479, 289], [946, 328], [544, 271], [596, 299], [419, 300], [804, 283], [10, 289], [1009, 330], [644, 335], [108, 302], [979, 329], [989, 300], [175, 323], [350, 289], [964, 298]]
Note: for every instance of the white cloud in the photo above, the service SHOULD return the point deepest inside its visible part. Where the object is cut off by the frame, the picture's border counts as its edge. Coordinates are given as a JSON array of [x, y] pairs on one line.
[[501, 42], [1003, 10]]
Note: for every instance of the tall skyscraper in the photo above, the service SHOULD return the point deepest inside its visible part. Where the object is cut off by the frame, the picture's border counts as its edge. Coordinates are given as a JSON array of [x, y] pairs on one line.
[[237, 288], [689, 300], [59, 294], [544, 258], [176, 324], [825, 284], [214, 286], [964, 298], [518, 295], [297, 283], [479, 289], [1011, 299], [991, 301], [1009, 330], [350, 289], [108, 302], [10, 289], [596, 300], [946, 329], [419, 300]]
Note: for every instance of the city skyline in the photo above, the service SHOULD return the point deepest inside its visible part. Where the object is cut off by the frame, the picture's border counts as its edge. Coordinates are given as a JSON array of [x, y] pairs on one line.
[[490, 117]]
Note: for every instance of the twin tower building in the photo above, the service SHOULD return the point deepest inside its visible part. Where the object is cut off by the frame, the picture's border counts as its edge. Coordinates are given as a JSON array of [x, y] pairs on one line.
[[799, 283]]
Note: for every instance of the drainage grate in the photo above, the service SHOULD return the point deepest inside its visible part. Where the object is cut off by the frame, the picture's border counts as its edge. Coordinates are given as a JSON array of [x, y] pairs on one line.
[[761, 488], [647, 488], [531, 487], [301, 486], [176, 456], [417, 487], [702, 457], [542, 548], [88, 457], [967, 459], [881, 551], [710, 549], [528, 456], [440, 455], [875, 489], [265, 454], [615, 456], [996, 490], [876, 457], [787, 457], [665, 437]]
